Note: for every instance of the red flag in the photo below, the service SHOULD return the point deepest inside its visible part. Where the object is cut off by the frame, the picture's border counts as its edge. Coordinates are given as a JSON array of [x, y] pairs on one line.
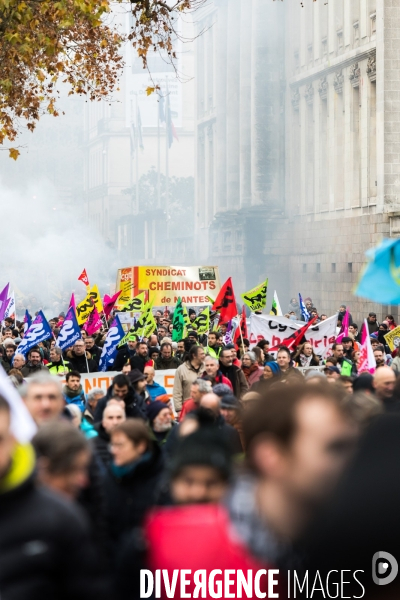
[[108, 303], [225, 303], [294, 340], [242, 328], [84, 278]]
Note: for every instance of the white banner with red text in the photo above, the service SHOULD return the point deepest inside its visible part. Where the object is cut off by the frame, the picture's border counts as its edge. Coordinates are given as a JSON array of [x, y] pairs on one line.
[[276, 329]]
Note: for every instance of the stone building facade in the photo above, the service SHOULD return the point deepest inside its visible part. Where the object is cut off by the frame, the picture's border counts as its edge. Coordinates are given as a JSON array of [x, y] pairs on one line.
[[339, 98]]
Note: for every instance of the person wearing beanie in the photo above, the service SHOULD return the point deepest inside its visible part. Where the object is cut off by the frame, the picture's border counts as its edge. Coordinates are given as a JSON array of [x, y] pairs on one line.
[[201, 468], [160, 421], [231, 411]]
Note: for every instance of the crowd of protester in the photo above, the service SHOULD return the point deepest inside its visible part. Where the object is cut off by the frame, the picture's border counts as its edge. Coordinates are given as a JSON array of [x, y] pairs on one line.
[[129, 478]]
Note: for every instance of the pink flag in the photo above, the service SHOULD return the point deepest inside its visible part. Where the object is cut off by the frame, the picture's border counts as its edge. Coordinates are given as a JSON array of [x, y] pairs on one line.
[[4, 300], [72, 301], [367, 359], [93, 322], [344, 330], [108, 303]]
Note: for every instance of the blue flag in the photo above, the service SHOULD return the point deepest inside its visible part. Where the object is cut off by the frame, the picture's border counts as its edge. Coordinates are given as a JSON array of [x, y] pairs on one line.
[[380, 280], [38, 331], [114, 336], [304, 311], [70, 331]]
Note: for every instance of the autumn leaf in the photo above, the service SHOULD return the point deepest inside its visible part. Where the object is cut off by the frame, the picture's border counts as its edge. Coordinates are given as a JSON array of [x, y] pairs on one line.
[[14, 153], [150, 90]]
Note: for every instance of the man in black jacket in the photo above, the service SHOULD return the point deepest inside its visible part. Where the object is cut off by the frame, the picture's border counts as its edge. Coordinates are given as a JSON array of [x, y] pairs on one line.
[[113, 415], [233, 373], [125, 353], [121, 389], [91, 347], [80, 360], [43, 538], [141, 358], [212, 403]]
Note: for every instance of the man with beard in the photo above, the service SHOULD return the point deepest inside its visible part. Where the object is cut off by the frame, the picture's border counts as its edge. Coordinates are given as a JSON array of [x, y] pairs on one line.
[[160, 421], [34, 363], [73, 392], [233, 373]]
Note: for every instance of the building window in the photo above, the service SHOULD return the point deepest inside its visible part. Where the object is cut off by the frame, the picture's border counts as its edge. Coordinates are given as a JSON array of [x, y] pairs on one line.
[[296, 60], [373, 23], [349, 267], [304, 268], [239, 240], [227, 241], [340, 40], [310, 54], [324, 43], [356, 32], [333, 267], [318, 267]]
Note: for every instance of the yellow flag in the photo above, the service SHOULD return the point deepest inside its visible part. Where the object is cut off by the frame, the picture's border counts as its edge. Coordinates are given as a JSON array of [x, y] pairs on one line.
[[135, 305], [256, 299], [85, 307]]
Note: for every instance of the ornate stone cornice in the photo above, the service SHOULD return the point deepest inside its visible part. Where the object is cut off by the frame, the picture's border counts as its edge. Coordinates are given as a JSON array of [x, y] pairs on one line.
[[338, 82], [371, 66], [295, 98], [309, 93], [323, 87], [355, 75]]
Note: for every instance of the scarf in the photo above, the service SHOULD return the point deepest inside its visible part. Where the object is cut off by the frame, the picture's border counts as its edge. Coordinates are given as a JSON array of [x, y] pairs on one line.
[[73, 393], [305, 361], [249, 370], [121, 471]]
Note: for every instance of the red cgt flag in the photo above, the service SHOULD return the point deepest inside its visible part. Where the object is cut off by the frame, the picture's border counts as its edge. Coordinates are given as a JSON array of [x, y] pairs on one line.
[[294, 340], [225, 303], [84, 278]]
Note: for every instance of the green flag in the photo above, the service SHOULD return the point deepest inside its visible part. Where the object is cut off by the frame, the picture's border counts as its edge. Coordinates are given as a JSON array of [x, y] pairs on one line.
[[202, 321], [178, 322], [256, 299]]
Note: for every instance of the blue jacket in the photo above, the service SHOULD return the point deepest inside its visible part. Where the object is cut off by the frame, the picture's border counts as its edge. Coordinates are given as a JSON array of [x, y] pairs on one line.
[[79, 398], [155, 390]]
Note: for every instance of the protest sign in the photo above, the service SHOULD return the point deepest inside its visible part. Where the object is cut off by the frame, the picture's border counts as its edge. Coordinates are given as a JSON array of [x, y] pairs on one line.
[[166, 284], [103, 381], [277, 329], [393, 338]]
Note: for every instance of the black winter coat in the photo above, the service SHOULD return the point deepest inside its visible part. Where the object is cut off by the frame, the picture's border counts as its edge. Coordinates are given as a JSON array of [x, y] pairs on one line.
[[78, 363], [134, 405], [45, 548], [123, 355], [101, 445], [129, 497]]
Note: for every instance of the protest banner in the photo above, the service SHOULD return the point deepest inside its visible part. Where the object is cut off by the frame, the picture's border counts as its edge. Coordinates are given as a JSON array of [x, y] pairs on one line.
[[103, 380], [393, 338], [166, 284], [276, 329]]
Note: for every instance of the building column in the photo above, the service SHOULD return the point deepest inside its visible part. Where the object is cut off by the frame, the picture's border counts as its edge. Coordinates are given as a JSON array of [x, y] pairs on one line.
[[221, 90], [245, 102], [233, 106], [364, 134]]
